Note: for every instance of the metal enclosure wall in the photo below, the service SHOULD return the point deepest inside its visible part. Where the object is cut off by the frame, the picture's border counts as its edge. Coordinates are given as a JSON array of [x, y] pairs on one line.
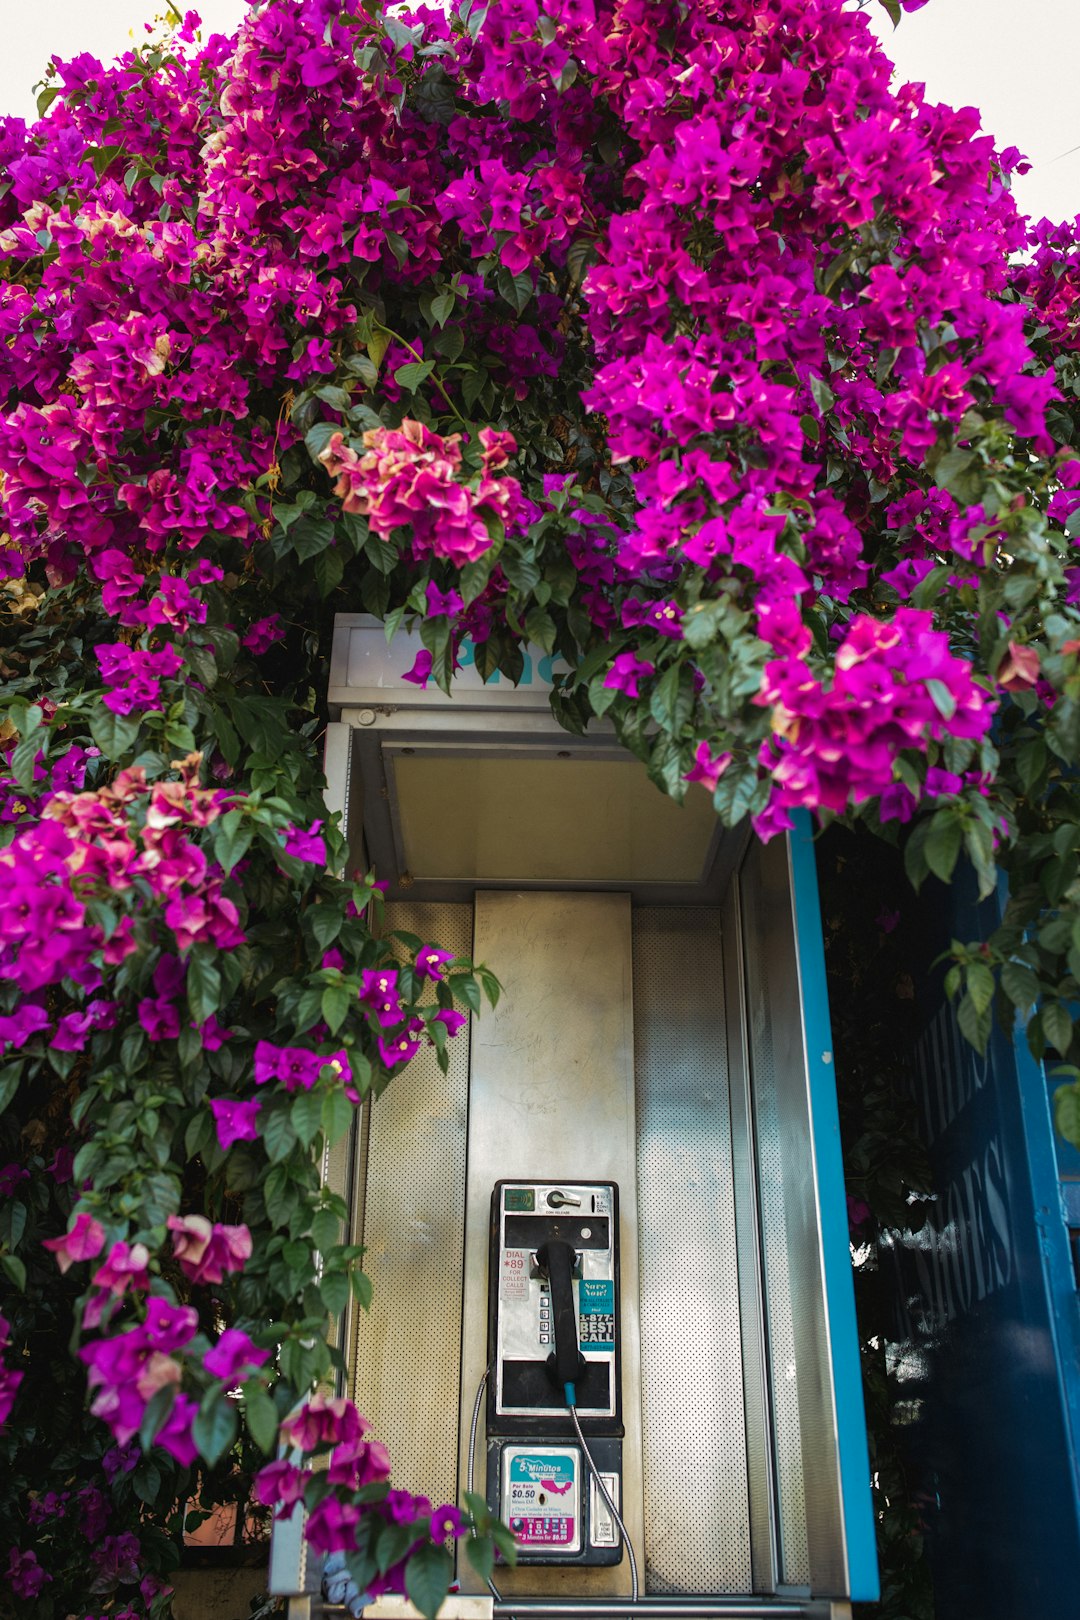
[[552, 1094], [697, 1527], [407, 1351], [689, 1087]]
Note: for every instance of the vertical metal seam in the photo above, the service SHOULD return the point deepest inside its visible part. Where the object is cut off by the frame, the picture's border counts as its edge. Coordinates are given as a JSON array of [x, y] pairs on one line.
[[752, 1324]]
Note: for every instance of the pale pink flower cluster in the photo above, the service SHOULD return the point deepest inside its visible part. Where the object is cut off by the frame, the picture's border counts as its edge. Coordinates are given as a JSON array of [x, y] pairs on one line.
[[410, 477]]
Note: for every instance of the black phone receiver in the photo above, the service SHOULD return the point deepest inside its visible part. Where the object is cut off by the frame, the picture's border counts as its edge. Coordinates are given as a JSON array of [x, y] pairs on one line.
[[566, 1364]]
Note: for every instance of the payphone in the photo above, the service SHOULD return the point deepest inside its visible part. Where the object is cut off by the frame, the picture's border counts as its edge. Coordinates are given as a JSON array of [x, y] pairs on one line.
[[554, 1406]]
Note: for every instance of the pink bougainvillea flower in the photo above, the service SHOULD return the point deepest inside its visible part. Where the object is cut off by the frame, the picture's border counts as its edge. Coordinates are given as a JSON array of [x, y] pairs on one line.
[[1019, 669], [295, 1066], [331, 1525], [708, 767], [430, 962], [206, 1250], [233, 1354], [379, 993], [25, 1576], [322, 1421], [451, 1019], [357, 1463], [280, 1484], [398, 1049], [306, 846], [125, 1267], [235, 1120], [261, 636], [626, 672], [420, 672], [84, 1241], [175, 1436], [168, 1326]]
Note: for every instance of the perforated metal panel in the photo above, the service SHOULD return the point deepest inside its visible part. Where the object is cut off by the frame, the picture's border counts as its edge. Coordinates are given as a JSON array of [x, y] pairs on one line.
[[407, 1362], [764, 1012], [697, 1531]]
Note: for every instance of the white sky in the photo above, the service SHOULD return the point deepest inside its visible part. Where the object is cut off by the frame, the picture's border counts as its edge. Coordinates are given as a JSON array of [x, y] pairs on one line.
[[1013, 59]]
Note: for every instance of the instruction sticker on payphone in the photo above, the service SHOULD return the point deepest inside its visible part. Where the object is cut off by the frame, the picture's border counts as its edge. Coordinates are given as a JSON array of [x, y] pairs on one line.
[[553, 1345]]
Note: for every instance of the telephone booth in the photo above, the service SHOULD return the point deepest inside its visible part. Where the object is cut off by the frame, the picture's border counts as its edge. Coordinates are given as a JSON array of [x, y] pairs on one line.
[[637, 1151]]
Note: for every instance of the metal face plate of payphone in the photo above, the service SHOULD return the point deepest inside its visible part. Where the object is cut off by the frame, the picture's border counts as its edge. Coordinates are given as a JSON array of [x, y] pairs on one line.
[[538, 1477]]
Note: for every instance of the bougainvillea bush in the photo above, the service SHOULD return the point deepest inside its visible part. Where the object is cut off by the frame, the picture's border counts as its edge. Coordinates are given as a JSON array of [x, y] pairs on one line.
[[669, 336]]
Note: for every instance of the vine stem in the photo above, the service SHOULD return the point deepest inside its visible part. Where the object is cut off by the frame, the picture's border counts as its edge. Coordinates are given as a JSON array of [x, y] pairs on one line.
[[417, 356]]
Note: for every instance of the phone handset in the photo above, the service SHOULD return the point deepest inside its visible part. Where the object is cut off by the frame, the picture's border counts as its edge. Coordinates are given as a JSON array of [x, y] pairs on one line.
[[565, 1364]]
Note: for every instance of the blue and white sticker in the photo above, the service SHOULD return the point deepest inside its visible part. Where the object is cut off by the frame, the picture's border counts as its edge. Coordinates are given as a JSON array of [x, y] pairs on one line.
[[596, 1313], [542, 1497]]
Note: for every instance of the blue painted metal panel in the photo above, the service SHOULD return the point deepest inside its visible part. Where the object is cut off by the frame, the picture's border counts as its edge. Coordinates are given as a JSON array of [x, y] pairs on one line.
[[988, 1342], [839, 1289]]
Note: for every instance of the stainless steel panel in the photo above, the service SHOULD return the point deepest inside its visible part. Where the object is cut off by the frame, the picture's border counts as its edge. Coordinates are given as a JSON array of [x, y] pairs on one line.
[[406, 1368], [697, 1534], [553, 1097], [812, 1545], [760, 1474], [777, 1073]]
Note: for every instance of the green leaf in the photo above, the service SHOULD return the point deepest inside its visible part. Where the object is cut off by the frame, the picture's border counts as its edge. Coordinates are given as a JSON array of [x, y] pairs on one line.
[[427, 1578], [203, 985], [14, 1270], [260, 1415], [334, 1291], [318, 437], [279, 1135], [944, 702], [337, 998], [1031, 763], [824, 398], [115, 734], [413, 373], [465, 989], [232, 838], [979, 843], [323, 922], [943, 843], [360, 365], [516, 290], [10, 1075], [335, 397], [306, 1115], [199, 1133], [325, 1230], [735, 793], [1058, 1025], [980, 985], [974, 1025], [474, 578], [492, 987], [24, 756], [961, 473], [540, 628], [442, 306], [1020, 985], [146, 1480], [362, 1289], [215, 1427], [329, 568], [156, 1414], [311, 536], [1067, 1112], [480, 1551], [392, 1542]]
